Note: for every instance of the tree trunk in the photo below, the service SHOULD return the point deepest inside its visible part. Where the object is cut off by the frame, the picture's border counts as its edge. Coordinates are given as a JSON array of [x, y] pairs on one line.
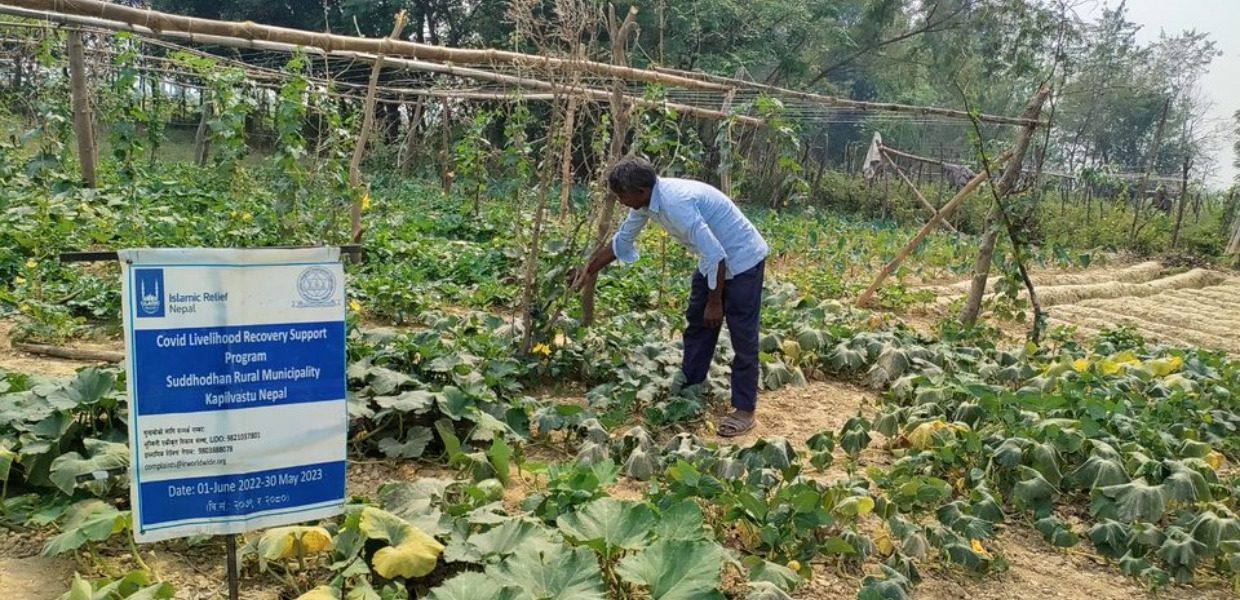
[[202, 138], [82, 122], [619, 131], [410, 149], [530, 275], [1149, 167], [981, 269], [1179, 217], [1011, 174]]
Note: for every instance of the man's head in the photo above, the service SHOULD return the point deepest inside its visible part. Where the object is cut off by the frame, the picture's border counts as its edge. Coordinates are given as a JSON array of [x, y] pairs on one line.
[[632, 180]]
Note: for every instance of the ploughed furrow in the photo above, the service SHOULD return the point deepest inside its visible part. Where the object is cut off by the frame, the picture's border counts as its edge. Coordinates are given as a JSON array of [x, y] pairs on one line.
[[1090, 327], [1229, 293], [1137, 273], [1072, 294], [1097, 317], [1160, 309], [1200, 301]]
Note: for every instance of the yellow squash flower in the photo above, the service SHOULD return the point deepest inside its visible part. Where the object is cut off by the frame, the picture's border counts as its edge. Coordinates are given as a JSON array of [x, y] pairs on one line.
[[355, 306], [542, 349], [979, 550]]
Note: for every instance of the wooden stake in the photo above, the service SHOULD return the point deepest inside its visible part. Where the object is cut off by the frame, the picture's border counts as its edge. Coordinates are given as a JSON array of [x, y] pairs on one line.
[[82, 123], [368, 123], [951, 206], [925, 203]]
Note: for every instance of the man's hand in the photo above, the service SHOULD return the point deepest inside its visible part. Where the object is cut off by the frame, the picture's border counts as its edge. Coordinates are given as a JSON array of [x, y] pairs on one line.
[[713, 317]]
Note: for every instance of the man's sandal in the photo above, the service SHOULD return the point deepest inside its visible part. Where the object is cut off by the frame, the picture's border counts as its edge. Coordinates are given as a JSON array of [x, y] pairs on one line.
[[733, 426]]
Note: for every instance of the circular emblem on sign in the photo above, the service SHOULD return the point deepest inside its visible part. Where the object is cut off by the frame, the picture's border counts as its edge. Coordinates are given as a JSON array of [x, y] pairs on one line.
[[316, 284]]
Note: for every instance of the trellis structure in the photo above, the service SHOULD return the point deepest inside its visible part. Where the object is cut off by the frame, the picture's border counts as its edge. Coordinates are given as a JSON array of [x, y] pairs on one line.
[[574, 79]]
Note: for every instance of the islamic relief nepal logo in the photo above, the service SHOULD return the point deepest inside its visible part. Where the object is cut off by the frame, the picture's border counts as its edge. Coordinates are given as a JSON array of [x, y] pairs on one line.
[[150, 284], [317, 288]]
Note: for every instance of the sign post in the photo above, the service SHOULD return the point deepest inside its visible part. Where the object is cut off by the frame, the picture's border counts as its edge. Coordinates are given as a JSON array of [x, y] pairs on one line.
[[236, 374]]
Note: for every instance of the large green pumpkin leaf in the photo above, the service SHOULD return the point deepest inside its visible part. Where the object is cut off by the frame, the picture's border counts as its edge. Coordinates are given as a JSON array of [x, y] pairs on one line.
[[1184, 484], [412, 552], [892, 586], [1045, 459], [1098, 471], [683, 521], [1132, 501], [514, 535], [562, 573], [676, 570], [87, 521], [473, 586], [414, 444], [765, 590], [1210, 529], [1033, 492], [1181, 553], [1110, 538], [413, 401], [608, 525], [89, 387], [103, 456]]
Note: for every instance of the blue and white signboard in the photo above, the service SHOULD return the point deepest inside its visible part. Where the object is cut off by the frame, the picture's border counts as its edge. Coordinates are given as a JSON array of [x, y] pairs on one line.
[[238, 413]]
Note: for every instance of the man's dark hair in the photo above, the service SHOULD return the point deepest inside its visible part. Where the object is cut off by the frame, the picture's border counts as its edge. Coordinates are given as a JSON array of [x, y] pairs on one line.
[[631, 175]]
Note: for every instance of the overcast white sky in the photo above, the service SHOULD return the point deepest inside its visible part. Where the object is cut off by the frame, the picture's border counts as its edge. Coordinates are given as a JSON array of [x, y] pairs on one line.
[[1221, 19]]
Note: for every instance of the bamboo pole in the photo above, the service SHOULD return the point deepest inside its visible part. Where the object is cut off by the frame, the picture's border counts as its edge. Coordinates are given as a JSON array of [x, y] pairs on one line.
[[916, 192], [368, 123], [998, 218], [162, 23], [82, 123], [943, 213], [823, 100]]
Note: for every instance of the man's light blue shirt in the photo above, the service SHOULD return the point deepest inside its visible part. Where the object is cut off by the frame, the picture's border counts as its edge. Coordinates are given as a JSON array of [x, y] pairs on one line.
[[704, 220]]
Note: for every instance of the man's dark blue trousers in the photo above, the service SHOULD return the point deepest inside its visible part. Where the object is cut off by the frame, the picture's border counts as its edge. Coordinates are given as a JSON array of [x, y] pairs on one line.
[[742, 307]]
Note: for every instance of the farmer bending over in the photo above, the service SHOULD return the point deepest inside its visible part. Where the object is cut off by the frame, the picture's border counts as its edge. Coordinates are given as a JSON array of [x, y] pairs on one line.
[[726, 286]]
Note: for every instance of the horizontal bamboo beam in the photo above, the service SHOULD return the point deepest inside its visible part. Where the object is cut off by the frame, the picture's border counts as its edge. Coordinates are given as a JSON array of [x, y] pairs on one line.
[[847, 103], [163, 22], [563, 90]]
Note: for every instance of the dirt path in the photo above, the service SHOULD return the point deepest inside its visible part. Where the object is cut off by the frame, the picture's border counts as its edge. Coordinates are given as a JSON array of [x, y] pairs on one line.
[[21, 362]]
